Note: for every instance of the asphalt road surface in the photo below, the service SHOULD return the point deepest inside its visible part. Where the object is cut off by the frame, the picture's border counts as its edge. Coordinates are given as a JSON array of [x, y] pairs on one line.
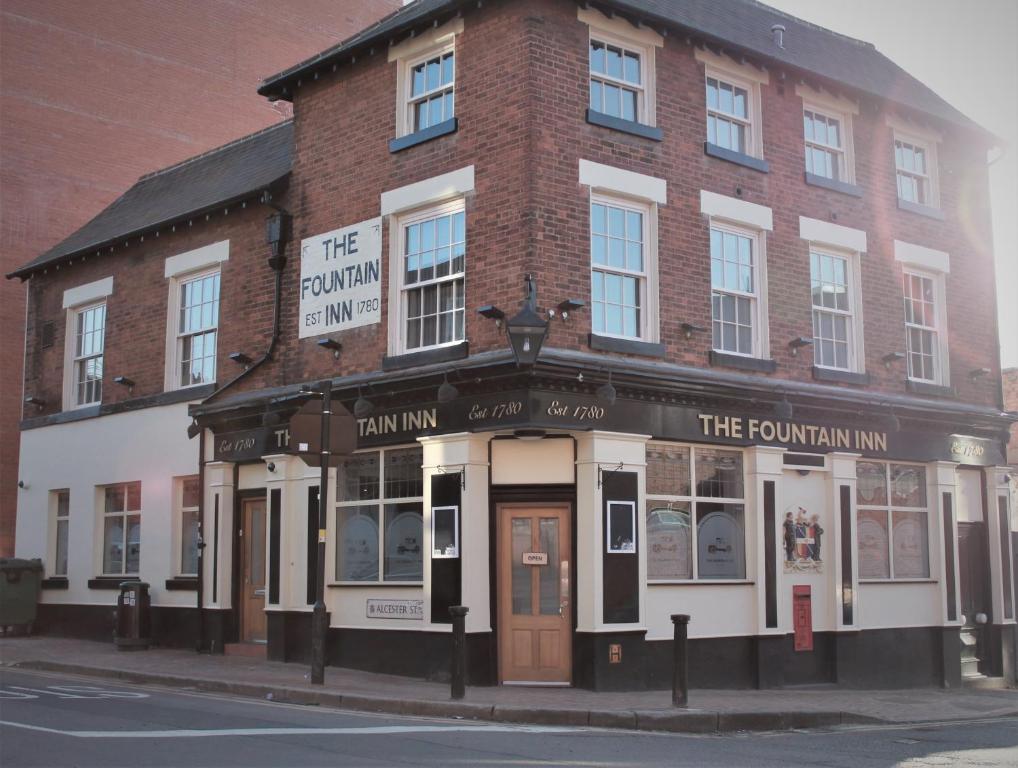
[[60, 720]]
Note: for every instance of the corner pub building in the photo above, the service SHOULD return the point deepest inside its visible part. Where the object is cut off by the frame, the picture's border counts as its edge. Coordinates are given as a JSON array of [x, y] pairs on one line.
[[764, 388]]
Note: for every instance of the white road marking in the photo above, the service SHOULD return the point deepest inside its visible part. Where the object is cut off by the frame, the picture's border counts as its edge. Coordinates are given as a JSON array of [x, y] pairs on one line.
[[67, 692], [381, 730]]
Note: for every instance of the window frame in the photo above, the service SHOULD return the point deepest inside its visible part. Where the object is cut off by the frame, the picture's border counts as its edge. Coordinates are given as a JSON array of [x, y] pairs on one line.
[[845, 171], [400, 222], [942, 371], [889, 508], [179, 510], [76, 360], [411, 101], [177, 336], [648, 212], [742, 76], [759, 282], [856, 353], [917, 138], [437, 41], [103, 515], [56, 518], [692, 500], [380, 503]]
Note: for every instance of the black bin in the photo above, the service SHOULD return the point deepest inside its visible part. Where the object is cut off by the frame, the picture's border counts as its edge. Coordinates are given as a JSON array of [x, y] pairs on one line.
[[134, 617]]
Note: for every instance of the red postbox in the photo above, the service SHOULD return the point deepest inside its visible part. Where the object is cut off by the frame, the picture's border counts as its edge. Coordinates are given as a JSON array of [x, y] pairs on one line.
[[802, 615]]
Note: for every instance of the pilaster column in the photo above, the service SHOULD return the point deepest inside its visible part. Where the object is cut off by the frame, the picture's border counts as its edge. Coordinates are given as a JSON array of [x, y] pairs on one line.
[[844, 548], [764, 465], [943, 526], [217, 558]]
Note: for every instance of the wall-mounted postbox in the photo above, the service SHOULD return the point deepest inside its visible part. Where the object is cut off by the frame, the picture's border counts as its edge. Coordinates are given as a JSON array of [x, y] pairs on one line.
[[802, 617]]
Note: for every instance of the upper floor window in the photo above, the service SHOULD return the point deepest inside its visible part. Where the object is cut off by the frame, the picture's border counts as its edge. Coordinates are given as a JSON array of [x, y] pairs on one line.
[[734, 290], [825, 151], [432, 277], [616, 81], [89, 342], [728, 116], [922, 325], [911, 160], [831, 282], [618, 237], [121, 551], [432, 90], [893, 524], [197, 329], [426, 80]]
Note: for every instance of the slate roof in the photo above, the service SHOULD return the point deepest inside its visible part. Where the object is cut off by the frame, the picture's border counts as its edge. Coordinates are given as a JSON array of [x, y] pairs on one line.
[[218, 177], [744, 25]]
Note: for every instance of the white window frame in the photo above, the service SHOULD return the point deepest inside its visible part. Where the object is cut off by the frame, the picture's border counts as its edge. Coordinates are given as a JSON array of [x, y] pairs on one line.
[[832, 107], [55, 518], [856, 343], [692, 499], [179, 269], [398, 302], [889, 508], [927, 140], [939, 330], [77, 360], [75, 301], [639, 40], [754, 297], [648, 213], [379, 502], [177, 285], [435, 42], [102, 515], [179, 510], [743, 76]]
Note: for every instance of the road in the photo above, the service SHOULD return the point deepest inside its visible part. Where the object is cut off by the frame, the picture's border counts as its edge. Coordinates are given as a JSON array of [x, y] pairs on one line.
[[60, 720]]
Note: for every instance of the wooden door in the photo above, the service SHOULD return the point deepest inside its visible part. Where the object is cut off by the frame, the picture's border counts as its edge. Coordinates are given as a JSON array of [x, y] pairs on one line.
[[252, 571], [534, 594]]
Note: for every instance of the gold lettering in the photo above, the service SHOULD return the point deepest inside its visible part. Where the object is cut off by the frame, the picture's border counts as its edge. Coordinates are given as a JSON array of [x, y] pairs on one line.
[[880, 441], [767, 431], [705, 420], [824, 437], [754, 428], [841, 438], [737, 428], [784, 432], [798, 434], [430, 419]]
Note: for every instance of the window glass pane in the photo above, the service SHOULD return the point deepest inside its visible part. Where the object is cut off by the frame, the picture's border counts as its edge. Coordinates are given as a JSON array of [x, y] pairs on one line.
[[189, 542], [63, 503], [669, 540], [871, 483], [613, 61], [133, 564], [628, 104], [596, 95], [632, 68], [910, 540], [548, 575], [447, 68], [404, 539], [597, 57], [60, 567], [418, 79], [612, 100], [444, 532], [522, 593], [115, 498], [712, 93], [718, 473], [113, 544], [357, 543], [667, 469], [908, 485], [726, 98], [872, 534], [720, 536], [403, 474], [358, 478]]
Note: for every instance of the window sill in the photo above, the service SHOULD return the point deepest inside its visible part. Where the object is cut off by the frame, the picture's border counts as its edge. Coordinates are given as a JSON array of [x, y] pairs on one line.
[[741, 362], [923, 210], [833, 184], [625, 346], [747, 161], [931, 390], [426, 357], [375, 584], [624, 126], [420, 137], [898, 581], [110, 582], [840, 377], [182, 584], [54, 582], [703, 583]]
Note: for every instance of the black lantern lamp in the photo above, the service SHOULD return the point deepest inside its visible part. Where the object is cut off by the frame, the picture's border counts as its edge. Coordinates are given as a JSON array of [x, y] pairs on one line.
[[527, 329]]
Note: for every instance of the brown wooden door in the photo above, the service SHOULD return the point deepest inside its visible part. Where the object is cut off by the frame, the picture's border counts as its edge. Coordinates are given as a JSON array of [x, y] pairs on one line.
[[252, 572], [534, 593]]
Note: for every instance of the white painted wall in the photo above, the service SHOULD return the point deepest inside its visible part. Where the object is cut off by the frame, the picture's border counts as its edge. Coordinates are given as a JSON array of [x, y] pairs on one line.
[[149, 445]]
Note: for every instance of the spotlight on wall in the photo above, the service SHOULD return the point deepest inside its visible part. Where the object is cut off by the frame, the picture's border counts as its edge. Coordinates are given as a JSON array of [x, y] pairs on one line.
[[193, 430], [124, 382], [567, 306], [783, 409], [892, 357], [688, 329], [271, 466], [22, 485], [607, 393], [893, 422], [978, 373], [447, 392], [798, 343], [38, 402], [331, 344], [241, 359], [529, 434], [492, 313]]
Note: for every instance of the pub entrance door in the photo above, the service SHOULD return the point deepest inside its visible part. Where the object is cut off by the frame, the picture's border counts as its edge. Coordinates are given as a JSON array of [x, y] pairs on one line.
[[534, 594]]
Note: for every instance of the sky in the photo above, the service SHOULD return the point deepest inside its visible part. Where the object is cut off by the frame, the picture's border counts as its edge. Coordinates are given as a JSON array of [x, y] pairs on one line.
[[965, 50]]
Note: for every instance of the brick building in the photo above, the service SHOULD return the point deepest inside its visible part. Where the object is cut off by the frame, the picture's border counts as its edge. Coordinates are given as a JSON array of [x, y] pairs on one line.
[[83, 114], [745, 266]]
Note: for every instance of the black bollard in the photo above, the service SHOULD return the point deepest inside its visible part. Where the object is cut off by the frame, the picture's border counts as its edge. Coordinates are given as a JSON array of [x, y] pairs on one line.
[[680, 669], [458, 661]]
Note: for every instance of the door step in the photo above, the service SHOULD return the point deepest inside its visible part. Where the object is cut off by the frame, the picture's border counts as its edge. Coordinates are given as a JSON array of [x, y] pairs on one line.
[[983, 682], [251, 650]]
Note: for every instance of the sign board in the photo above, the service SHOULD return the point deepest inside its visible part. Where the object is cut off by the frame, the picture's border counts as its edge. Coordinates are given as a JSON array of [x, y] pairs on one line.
[[535, 558], [395, 609], [341, 279], [306, 433]]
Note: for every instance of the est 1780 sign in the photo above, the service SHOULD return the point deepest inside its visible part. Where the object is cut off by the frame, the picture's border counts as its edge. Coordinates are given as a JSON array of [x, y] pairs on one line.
[[341, 279]]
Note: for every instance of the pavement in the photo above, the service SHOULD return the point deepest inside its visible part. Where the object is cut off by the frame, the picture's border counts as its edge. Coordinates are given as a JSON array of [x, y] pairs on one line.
[[709, 711]]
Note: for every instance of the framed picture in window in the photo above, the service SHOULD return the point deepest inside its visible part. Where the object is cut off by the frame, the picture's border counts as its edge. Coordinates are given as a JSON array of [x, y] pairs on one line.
[[621, 527], [445, 532]]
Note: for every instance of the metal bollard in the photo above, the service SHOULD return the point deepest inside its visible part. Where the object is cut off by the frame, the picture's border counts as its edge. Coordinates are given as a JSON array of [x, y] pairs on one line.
[[458, 661], [680, 668]]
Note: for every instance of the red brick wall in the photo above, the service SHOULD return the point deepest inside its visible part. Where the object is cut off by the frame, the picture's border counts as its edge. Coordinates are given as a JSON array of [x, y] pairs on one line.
[[97, 93], [1011, 404]]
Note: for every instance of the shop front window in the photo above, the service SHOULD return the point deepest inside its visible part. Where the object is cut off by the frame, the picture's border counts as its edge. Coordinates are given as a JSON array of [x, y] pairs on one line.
[[122, 529], [379, 517], [893, 521], [696, 522]]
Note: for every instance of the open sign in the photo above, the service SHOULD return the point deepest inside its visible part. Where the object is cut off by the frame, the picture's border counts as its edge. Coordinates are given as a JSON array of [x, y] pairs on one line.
[[535, 558]]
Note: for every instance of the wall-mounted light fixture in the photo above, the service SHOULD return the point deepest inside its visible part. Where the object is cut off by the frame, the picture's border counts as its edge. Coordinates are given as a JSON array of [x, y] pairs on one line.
[[362, 407], [125, 382], [193, 430], [688, 329], [783, 409], [892, 357], [978, 373], [567, 306], [607, 393], [447, 392], [35, 400], [798, 343], [241, 359], [492, 313], [271, 466], [331, 344]]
